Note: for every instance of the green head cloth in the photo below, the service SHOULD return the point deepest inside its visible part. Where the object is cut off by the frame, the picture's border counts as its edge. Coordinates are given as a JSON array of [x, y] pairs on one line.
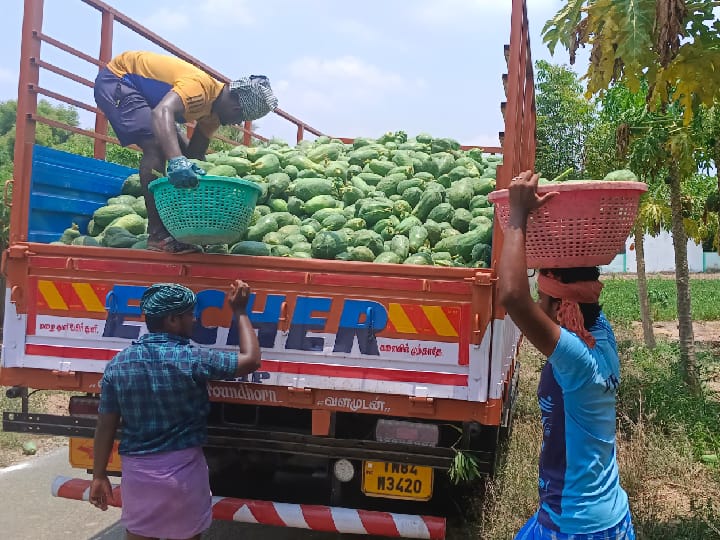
[[164, 299]]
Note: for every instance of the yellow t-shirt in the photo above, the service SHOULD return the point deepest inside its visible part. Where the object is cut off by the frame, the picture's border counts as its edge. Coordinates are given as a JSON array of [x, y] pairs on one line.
[[154, 75]]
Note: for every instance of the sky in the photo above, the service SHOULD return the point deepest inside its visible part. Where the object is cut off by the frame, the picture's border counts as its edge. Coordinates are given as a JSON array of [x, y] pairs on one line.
[[349, 70]]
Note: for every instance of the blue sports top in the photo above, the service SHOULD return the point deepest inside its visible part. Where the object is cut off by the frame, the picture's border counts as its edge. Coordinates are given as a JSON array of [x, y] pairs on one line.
[[579, 483]]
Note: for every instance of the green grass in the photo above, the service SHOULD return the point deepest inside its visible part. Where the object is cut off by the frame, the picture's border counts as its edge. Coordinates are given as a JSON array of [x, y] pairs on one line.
[[620, 300], [653, 386]]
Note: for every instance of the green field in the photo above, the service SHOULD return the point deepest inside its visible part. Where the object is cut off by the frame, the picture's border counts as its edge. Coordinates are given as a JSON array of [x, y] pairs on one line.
[[620, 300]]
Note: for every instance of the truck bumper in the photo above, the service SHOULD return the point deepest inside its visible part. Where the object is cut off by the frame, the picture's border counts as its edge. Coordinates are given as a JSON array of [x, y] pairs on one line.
[[299, 516]]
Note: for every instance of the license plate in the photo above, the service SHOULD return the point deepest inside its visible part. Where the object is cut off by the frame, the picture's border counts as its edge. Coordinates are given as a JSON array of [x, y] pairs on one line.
[[82, 454], [396, 481]]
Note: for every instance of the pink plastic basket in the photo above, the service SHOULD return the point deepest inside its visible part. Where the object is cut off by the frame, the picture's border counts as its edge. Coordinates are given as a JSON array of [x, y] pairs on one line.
[[586, 224]]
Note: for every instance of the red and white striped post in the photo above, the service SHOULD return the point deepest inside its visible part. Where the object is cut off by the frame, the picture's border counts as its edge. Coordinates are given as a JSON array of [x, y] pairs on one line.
[[299, 516]]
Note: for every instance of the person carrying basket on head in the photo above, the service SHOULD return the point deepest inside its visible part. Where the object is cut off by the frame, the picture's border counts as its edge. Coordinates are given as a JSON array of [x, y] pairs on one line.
[[144, 94], [579, 485]]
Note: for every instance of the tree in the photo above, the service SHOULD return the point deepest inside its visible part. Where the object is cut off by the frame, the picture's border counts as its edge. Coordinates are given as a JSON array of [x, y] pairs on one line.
[[673, 46], [581, 135], [85, 146], [616, 107], [619, 107], [709, 157], [564, 119]]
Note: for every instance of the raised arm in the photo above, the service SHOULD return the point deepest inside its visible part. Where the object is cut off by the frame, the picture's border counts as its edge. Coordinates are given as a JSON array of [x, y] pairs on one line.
[[249, 354], [513, 287]]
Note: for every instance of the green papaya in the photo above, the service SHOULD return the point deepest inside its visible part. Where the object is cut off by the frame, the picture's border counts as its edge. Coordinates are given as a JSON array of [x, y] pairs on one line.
[[418, 238], [248, 247], [222, 170], [388, 257], [70, 234], [361, 253]]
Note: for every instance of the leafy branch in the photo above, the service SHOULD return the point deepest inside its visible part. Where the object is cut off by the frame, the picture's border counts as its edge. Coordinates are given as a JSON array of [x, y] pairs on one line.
[[465, 467]]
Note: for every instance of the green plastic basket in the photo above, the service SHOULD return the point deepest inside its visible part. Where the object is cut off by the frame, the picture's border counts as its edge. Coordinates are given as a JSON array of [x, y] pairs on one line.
[[217, 211]]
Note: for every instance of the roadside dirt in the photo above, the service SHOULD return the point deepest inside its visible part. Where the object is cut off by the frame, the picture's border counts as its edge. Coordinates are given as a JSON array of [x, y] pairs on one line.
[[15, 455], [11, 451], [705, 331], [707, 335]]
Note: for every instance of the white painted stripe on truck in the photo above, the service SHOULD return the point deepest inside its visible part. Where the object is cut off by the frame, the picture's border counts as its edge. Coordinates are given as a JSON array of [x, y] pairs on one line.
[[440, 356], [292, 515], [320, 382], [347, 521], [244, 515], [504, 345], [478, 376], [13, 335], [410, 526]]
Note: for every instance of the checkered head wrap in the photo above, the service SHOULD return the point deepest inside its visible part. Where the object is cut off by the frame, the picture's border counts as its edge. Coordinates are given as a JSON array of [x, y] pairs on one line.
[[164, 299], [254, 95]]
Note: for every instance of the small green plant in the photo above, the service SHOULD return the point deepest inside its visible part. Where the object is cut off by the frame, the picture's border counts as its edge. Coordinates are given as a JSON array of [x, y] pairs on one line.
[[464, 468], [659, 301]]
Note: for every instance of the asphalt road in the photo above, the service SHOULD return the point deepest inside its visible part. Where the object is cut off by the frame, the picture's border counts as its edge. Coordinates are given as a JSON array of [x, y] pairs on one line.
[[28, 511]]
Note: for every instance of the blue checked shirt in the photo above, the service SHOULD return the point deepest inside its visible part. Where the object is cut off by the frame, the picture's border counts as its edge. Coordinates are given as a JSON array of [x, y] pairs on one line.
[[158, 385]]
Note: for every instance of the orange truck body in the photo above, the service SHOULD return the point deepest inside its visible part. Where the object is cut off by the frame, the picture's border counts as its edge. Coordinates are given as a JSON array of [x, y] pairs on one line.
[[343, 342]]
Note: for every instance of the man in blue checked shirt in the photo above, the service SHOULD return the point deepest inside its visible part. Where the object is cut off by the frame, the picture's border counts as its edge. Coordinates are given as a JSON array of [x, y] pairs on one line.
[[158, 387]]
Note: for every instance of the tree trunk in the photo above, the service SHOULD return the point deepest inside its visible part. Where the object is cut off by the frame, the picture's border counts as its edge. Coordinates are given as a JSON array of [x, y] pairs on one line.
[[682, 281], [645, 315]]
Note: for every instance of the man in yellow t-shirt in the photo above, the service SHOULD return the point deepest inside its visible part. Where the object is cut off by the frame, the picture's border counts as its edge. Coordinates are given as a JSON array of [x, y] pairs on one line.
[[144, 95]]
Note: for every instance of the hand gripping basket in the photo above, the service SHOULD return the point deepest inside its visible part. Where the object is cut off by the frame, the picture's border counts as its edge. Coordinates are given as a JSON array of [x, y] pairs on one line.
[[217, 211], [586, 224]]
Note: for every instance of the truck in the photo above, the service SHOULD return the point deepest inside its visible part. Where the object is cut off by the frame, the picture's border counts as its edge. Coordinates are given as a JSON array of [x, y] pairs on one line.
[[374, 378]]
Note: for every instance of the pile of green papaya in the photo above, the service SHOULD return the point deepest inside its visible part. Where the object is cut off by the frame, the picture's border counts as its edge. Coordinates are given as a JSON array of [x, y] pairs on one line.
[[395, 199]]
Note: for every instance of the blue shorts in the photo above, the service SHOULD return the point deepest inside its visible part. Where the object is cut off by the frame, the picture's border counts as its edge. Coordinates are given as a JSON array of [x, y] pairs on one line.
[[532, 530], [127, 110]]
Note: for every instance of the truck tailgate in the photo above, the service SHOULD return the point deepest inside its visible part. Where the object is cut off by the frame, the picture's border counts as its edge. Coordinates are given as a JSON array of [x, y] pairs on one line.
[[391, 329]]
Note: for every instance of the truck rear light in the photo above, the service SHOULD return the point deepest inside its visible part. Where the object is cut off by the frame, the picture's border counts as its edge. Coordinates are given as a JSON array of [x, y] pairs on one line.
[[343, 470], [399, 431], [83, 406]]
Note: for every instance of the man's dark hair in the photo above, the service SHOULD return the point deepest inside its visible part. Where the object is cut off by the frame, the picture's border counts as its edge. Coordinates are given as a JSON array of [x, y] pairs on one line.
[[590, 312], [154, 324]]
